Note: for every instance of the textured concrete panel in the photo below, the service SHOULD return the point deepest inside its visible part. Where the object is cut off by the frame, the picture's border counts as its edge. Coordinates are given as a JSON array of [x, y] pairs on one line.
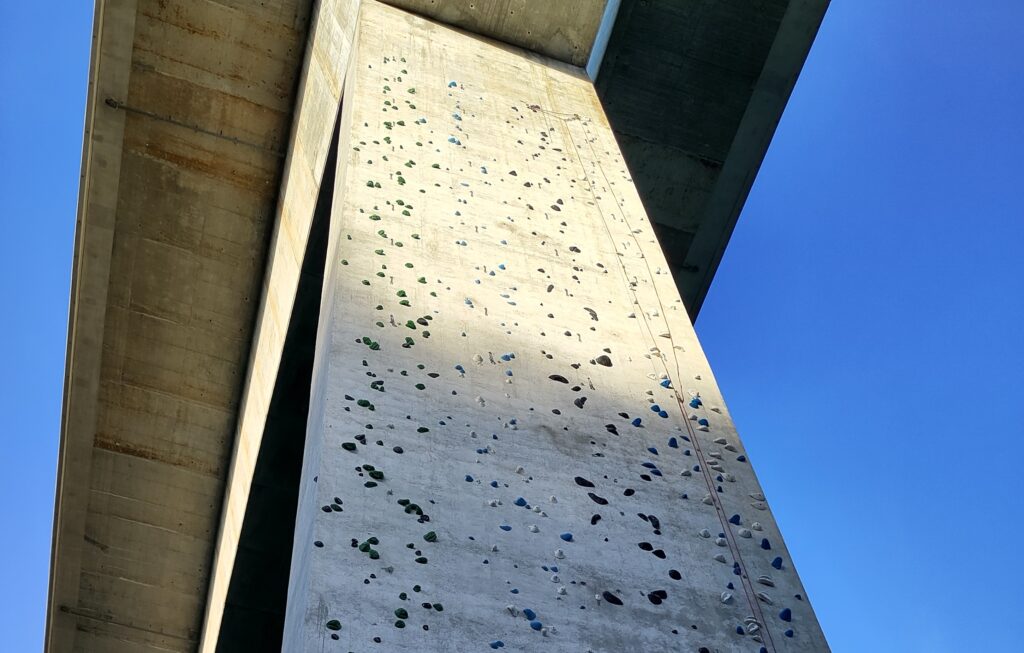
[[515, 440], [562, 29]]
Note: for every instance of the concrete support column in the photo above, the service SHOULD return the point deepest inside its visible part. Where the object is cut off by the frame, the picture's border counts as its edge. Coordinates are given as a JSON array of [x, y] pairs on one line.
[[515, 440]]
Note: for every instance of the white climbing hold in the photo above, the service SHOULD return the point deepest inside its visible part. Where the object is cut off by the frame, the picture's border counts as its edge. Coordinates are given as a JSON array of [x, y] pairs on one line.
[[756, 526]]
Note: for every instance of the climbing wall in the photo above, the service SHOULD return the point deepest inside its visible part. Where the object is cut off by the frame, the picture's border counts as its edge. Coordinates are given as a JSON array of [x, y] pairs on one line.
[[515, 440]]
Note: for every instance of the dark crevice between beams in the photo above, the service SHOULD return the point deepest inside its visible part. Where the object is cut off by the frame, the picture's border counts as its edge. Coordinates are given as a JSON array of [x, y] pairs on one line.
[[257, 595]]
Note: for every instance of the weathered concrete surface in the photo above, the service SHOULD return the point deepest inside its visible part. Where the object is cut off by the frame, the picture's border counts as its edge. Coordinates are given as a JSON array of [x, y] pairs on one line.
[[694, 90], [561, 29], [515, 440], [188, 113], [327, 52]]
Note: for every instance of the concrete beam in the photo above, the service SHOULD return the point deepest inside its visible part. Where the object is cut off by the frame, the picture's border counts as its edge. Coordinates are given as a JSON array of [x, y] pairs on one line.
[[559, 29], [328, 47]]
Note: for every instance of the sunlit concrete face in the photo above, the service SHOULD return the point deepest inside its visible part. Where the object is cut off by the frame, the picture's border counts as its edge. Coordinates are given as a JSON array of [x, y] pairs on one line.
[[515, 440]]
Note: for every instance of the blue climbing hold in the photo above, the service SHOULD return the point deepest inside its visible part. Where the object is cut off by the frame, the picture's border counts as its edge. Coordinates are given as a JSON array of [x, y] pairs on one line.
[[741, 458], [663, 414], [703, 422], [536, 625], [520, 501], [496, 644], [529, 614], [460, 368], [765, 544], [788, 633], [655, 408], [777, 562], [469, 479], [695, 402], [567, 537], [494, 484], [505, 527], [637, 422], [653, 450], [673, 443], [666, 383], [452, 84], [735, 519], [786, 614], [649, 465]]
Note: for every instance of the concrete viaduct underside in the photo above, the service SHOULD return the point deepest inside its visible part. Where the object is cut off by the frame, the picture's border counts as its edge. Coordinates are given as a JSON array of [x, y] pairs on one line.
[[200, 241]]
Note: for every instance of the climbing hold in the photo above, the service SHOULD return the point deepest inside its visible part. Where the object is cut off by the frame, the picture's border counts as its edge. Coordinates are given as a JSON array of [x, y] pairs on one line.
[[611, 598]]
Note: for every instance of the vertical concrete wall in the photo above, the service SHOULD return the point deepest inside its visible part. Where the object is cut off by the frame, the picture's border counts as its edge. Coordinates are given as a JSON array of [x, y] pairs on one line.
[[515, 441]]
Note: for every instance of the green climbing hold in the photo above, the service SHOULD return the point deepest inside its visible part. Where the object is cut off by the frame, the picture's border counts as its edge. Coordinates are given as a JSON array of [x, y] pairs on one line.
[[348, 446], [402, 613], [431, 536], [333, 624]]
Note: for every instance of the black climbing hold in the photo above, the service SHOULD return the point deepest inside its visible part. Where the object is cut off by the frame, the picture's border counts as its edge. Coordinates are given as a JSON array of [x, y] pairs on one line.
[[611, 598]]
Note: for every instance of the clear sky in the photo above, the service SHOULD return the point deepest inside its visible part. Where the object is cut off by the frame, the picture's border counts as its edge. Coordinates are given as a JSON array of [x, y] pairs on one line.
[[865, 324]]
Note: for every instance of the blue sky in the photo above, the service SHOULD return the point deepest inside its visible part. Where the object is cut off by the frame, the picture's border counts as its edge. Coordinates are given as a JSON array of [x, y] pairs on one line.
[[865, 324]]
